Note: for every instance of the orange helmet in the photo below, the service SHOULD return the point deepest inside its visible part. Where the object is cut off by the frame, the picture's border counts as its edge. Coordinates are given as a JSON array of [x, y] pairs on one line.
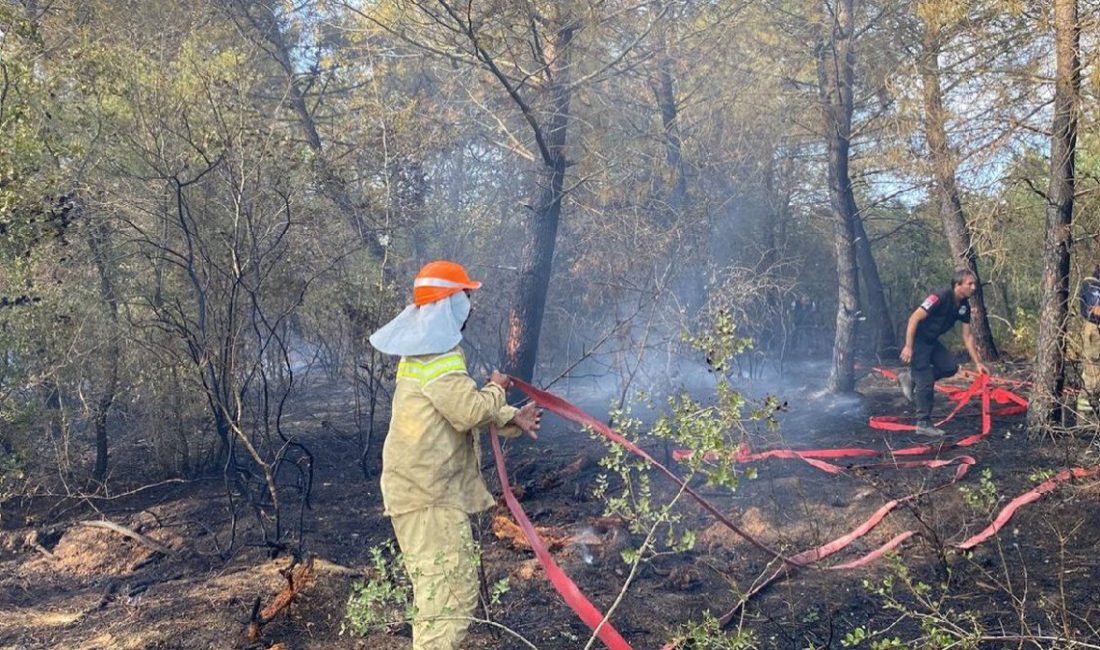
[[440, 279]]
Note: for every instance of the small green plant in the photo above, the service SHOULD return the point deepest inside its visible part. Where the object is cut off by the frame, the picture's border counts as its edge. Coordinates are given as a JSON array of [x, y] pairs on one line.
[[720, 342], [855, 638], [384, 598], [1022, 334], [983, 498], [634, 502], [499, 588], [941, 625], [708, 634], [1040, 475]]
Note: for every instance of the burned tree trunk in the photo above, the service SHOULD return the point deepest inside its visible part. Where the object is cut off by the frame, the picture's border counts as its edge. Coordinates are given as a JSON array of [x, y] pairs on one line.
[[834, 70], [1048, 375], [525, 316], [662, 87], [944, 169], [885, 339], [99, 243]]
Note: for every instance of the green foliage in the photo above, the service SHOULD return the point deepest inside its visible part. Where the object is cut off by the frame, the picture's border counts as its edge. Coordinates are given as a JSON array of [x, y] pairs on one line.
[[984, 497], [383, 599], [1019, 337], [23, 421], [707, 634], [941, 626], [710, 434], [1040, 475], [497, 591], [11, 475], [855, 638], [634, 501], [720, 343]]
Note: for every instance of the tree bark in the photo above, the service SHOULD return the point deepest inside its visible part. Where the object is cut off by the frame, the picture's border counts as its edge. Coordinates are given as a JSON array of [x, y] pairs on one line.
[[99, 242], [885, 339], [663, 91], [525, 316], [944, 174], [688, 283], [1048, 377], [835, 75]]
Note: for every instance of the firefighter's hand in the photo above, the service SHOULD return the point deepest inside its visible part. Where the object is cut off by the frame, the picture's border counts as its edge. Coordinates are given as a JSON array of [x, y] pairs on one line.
[[528, 418], [980, 368], [500, 379], [906, 354]]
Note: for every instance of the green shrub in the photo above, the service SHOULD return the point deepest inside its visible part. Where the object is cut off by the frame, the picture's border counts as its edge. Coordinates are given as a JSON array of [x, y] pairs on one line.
[[384, 599]]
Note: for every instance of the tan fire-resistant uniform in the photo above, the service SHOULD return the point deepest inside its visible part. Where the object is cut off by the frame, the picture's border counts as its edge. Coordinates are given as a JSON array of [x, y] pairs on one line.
[[1090, 366], [431, 482]]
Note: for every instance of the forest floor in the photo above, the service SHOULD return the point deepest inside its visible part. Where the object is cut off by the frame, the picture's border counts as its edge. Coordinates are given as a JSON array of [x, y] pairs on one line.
[[66, 585]]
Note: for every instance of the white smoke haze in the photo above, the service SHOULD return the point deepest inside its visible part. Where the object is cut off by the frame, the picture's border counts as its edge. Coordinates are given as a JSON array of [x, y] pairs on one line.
[[595, 387]]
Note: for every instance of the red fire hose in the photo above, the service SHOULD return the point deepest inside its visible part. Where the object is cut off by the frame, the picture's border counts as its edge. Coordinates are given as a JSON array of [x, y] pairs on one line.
[[981, 385]]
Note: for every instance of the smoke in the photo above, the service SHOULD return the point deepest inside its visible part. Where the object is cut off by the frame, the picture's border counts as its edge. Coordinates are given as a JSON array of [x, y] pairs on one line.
[[596, 387]]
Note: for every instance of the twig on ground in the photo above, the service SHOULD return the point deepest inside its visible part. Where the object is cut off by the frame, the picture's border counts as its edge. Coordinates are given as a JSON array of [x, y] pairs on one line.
[[298, 577]]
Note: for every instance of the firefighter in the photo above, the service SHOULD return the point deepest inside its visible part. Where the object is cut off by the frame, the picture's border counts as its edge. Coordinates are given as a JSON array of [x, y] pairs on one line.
[[431, 478], [1090, 342], [927, 358]]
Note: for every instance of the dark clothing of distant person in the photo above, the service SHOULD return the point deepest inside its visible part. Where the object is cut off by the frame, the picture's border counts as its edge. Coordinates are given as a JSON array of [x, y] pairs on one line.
[[803, 321], [1090, 297]]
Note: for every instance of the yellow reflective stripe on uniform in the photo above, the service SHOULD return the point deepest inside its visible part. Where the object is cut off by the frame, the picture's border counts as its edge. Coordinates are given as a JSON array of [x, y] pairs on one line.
[[425, 372], [408, 370], [443, 365]]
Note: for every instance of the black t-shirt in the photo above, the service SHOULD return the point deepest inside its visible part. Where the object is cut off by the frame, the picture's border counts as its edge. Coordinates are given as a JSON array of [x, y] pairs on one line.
[[942, 314]]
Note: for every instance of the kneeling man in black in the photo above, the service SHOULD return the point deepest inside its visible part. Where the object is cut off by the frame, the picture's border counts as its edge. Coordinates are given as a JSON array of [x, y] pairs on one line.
[[928, 359]]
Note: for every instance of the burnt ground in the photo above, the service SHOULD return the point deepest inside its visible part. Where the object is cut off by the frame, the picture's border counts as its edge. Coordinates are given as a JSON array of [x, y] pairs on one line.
[[65, 585]]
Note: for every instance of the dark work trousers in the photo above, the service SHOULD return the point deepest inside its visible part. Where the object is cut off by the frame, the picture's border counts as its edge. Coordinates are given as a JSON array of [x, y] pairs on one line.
[[930, 363]]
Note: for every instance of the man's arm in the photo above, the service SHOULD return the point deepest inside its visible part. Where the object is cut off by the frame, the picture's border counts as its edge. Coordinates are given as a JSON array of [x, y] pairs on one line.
[[968, 340], [915, 318], [464, 405]]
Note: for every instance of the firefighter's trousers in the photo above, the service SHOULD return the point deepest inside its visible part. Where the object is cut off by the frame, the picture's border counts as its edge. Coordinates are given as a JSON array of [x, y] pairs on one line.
[[1090, 366], [441, 559]]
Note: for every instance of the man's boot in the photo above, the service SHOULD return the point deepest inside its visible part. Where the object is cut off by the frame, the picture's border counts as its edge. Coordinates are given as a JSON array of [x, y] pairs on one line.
[[926, 429]]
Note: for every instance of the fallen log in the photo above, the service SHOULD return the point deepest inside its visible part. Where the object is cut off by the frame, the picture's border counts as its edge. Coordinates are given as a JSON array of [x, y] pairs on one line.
[[126, 532]]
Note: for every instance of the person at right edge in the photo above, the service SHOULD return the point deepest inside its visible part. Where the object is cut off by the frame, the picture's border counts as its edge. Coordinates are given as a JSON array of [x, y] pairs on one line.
[[927, 358], [1090, 343]]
